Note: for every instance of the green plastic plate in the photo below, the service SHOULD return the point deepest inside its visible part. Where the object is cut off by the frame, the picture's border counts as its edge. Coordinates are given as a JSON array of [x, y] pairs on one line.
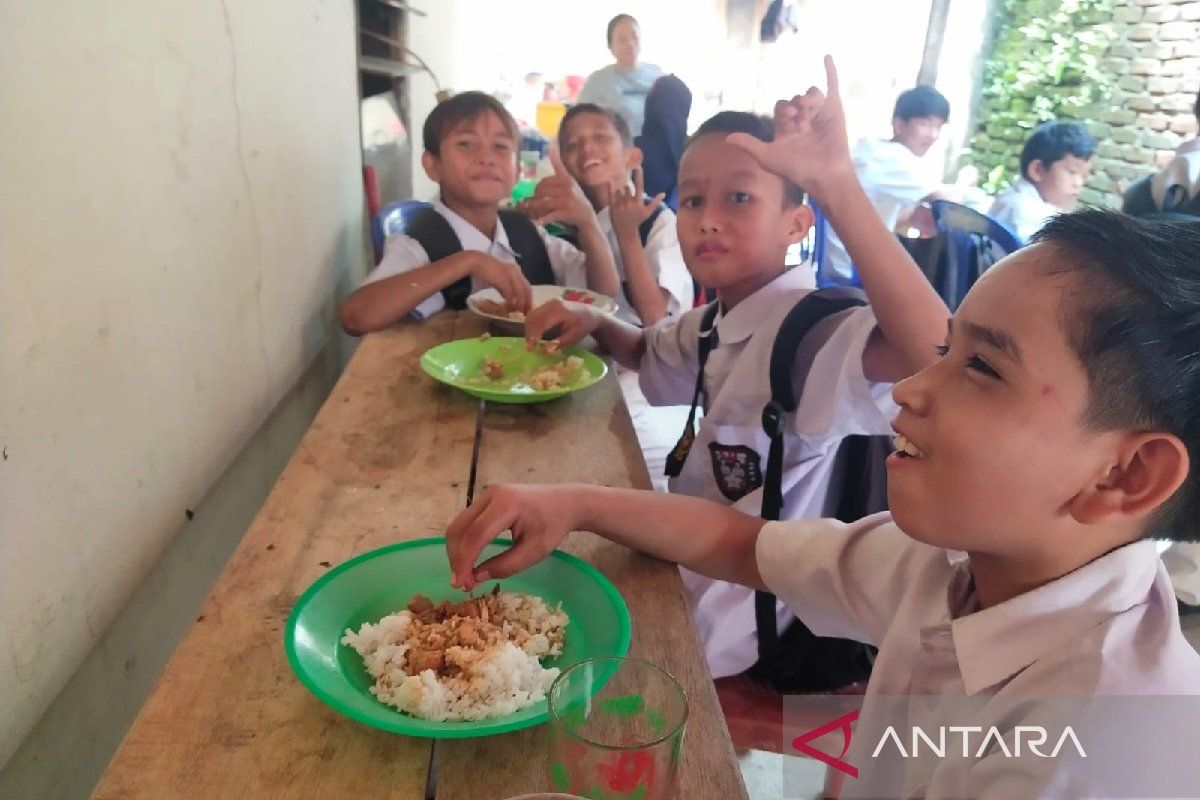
[[375, 584], [460, 364]]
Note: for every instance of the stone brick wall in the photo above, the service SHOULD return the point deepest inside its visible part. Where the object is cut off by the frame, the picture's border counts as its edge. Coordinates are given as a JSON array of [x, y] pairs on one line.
[[1152, 59], [1156, 51]]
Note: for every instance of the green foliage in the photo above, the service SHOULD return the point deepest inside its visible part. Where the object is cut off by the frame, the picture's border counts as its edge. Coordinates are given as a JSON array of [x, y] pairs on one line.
[[1045, 64]]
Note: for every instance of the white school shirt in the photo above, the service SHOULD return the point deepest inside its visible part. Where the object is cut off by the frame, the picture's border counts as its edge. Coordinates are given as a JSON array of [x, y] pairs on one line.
[[837, 401], [1109, 627], [1021, 209], [403, 253], [1183, 170], [895, 179], [664, 258]]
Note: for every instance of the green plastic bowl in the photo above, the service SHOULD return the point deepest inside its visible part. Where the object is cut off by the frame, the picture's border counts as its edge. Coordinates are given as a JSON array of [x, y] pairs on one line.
[[460, 364], [375, 584]]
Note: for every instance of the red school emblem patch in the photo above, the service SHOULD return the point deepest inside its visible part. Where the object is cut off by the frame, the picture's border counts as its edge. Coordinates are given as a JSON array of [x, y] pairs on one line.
[[736, 469]]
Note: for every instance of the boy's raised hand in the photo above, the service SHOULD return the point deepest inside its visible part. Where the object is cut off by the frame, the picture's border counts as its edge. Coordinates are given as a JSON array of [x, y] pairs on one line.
[[574, 321], [539, 518], [507, 279], [810, 147], [559, 198], [626, 209]]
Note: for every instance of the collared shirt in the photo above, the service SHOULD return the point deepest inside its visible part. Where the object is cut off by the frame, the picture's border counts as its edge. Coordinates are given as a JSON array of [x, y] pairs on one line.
[[837, 400], [664, 258], [1107, 628], [1021, 209], [895, 179], [403, 253]]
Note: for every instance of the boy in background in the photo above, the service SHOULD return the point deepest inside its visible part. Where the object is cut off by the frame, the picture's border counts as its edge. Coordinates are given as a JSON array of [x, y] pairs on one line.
[[895, 174], [1055, 163], [471, 145]]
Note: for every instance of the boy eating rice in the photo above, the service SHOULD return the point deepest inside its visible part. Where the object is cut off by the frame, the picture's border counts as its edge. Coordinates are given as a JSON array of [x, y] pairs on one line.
[[1055, 438]]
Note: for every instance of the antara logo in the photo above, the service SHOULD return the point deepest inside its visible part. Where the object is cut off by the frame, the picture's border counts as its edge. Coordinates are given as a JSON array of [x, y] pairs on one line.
[[1031, 737]]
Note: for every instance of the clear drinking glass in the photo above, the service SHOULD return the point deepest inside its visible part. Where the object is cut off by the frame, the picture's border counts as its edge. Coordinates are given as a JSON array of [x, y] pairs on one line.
[[616, 730]]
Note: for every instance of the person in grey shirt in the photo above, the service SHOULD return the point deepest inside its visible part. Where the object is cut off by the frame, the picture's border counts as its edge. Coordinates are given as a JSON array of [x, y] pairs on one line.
[[622, 86]]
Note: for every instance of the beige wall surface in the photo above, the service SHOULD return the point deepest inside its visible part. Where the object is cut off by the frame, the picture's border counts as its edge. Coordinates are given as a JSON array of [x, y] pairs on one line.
[[180, 205]]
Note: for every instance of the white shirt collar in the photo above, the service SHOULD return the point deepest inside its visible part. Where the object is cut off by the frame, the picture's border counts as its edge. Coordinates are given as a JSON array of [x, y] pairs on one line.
[[746, 317], [470, 237], [995, 643]]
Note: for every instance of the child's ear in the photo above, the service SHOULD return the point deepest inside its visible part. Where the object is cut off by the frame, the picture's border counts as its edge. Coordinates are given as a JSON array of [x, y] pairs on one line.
[[799, 220], [1036, 171], [633, 157], [432, 166], [1148, 470]]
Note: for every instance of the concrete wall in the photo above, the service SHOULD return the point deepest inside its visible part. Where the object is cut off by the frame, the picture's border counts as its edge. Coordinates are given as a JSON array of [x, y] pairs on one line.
[[180, 206]]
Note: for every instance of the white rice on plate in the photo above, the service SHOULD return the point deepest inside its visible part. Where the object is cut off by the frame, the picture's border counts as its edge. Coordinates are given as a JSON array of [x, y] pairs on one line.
[[466, 661]]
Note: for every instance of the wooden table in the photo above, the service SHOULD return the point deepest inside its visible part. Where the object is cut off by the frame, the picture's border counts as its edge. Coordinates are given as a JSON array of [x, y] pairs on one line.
[[388, 458]]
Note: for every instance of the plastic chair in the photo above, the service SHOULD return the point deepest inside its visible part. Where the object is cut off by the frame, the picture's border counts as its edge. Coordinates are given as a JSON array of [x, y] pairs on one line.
[[820, 236], [974, 242], [393, 218]]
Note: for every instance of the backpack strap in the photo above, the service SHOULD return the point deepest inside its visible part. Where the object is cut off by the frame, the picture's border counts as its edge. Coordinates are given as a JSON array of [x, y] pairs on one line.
[[644, 229], [526, 241], [708, 340], [431, 230], [788, 376]]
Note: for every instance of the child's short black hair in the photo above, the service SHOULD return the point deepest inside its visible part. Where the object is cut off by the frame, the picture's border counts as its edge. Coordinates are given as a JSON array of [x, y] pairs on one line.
[[1136, 329], [468, 105], [759, 127], [921, 101], [613, 23], [616, 119], [1051, 141]]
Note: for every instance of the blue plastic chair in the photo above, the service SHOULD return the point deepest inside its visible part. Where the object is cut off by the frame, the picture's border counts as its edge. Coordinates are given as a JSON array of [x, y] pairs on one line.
[[974, 242], [393, 218], [820, 237]]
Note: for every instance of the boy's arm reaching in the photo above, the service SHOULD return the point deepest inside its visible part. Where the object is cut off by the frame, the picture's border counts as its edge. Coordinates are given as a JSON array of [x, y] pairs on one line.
[[811, 150], [624, 342], [385, 302], [708, 538]]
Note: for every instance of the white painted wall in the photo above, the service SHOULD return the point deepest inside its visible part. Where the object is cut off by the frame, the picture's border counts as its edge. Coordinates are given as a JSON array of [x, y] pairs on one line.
[[180, 196]]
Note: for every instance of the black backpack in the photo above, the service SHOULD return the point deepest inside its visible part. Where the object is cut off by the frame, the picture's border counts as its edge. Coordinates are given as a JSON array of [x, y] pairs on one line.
[[431, 230], [798, 660]]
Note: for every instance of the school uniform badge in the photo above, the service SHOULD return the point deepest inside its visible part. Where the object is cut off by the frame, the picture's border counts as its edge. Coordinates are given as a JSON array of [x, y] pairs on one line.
[[736, 469]]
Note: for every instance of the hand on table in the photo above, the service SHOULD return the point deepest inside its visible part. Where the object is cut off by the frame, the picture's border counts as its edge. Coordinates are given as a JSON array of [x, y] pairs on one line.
[[539, 518]]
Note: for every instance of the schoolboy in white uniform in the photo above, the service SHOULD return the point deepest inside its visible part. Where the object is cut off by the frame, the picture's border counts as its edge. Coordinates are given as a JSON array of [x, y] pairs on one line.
[[736, 221], [598, 152], [1050, 444], [470, 150]]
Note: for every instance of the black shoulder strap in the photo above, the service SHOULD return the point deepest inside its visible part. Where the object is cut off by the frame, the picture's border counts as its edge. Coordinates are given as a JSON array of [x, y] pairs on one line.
[[786, 376], [526, 241], [708, 340], [644, 235], [431, 230]]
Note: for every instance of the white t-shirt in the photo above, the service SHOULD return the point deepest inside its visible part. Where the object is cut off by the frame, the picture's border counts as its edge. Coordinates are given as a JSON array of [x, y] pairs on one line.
[[837, 401], [1021, 209], [664, 258], [622, 90], [403, 253], [895, 179], [1108, 628]]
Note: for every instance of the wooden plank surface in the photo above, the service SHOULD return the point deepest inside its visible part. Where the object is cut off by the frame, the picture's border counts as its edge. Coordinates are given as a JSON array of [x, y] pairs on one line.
[[587, 437], [386, 458]]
